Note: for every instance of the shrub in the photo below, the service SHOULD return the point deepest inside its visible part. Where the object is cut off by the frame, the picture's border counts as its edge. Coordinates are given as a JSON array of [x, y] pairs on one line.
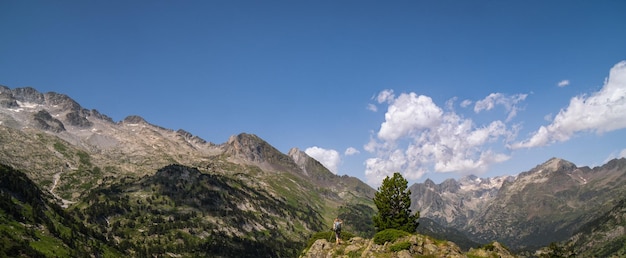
[[389, 235], [400, 246], [491, 247]]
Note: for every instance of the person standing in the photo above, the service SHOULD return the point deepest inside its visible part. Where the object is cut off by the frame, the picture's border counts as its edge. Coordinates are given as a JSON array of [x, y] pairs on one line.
[[337, 228]]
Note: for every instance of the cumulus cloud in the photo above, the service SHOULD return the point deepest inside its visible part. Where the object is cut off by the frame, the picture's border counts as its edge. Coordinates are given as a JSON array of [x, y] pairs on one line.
[[329, 158], [508, 102], [418, 137], [600, 112], [351, 151], [409, 114], [563, 83]]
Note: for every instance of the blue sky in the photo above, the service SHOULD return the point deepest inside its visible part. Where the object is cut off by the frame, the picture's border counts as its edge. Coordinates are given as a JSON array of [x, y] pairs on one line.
[[432, 89]]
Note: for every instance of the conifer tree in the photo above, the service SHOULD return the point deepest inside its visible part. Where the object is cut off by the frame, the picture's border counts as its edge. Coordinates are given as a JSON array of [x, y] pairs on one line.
[[393, 201]]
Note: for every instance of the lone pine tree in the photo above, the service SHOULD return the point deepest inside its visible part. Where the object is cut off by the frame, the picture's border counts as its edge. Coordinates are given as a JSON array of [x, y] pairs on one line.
[[393, 201]]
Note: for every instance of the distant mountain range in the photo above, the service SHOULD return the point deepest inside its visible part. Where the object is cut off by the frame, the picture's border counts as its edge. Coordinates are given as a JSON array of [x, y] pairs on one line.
[[546, 204], [138, 189]]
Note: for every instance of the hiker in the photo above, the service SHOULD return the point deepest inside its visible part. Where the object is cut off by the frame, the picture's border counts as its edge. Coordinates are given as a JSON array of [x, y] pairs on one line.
[[337, 229]]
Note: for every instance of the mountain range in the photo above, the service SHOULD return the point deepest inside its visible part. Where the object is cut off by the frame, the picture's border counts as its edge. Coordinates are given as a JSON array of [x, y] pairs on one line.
[[544, 205], [134, 188]]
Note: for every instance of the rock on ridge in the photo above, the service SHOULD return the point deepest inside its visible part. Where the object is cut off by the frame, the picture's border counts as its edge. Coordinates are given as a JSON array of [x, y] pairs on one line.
[[187, 136], [312, 168], [134, 119], [28, 94], [413, 246], [6, 98], [300, 158]]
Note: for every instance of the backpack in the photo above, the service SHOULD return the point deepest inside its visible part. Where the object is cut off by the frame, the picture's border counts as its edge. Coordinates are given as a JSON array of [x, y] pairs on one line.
[[337, 226]]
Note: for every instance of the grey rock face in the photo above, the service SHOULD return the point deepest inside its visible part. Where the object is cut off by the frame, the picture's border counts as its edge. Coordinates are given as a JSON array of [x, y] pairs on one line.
[[78, 118], [45, 121]]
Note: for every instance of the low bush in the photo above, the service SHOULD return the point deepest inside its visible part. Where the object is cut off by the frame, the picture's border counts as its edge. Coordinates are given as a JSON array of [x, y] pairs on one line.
[[405, 245], [389, 235]]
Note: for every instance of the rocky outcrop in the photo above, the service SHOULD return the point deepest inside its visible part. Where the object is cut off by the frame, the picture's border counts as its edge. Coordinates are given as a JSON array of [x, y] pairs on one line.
[[43, 120], [6, 98], [134, 120], [410, 246], [78, 118], [28, 94], [187, 136]]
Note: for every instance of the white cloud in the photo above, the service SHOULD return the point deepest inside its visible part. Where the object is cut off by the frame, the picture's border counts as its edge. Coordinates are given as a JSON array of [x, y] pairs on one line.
[[329, 158], [351, 151], [417, 137], [602, 111], [619, 155], [407, 114], [450, 103], [376, 169], [509, 103], [548, 117], [488, 102], [372, 107], [385, 96], [563, 83], [466, 103]]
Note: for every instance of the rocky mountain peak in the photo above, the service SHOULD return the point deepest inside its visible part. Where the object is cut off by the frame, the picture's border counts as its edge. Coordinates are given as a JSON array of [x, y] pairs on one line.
[[28, 94], [134, 120], [450, 185], [52, 100], [252, 148], [61, 101], [555, 164], [430, 183], [545, 170]]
